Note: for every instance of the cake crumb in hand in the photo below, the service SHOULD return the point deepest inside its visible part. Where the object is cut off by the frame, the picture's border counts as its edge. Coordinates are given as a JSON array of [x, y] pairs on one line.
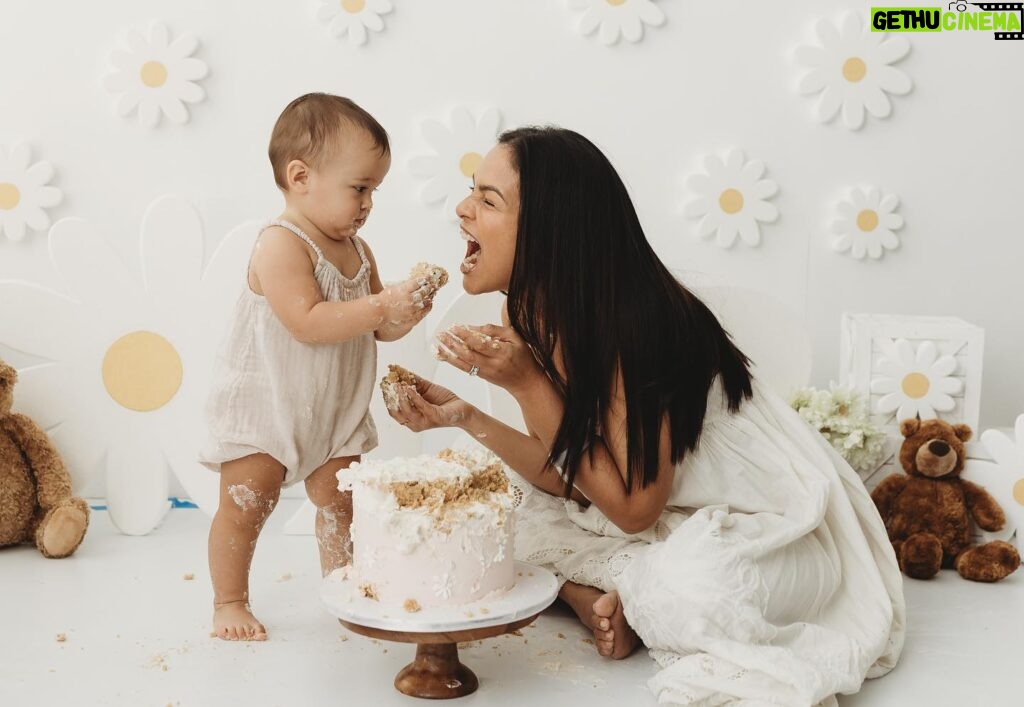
[[188, 576]]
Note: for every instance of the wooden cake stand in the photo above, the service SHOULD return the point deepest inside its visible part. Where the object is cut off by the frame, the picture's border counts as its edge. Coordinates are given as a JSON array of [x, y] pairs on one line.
[[436, 673]]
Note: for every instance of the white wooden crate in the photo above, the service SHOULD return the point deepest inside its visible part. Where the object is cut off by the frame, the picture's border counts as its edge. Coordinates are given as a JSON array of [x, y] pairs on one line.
[[868, 340]]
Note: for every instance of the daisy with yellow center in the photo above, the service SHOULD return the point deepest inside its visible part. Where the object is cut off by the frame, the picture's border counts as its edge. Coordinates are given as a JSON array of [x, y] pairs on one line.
[[353, 18], [458, 149], [25, 193], [612, 19], [124, 365], [851, 70], [1003, 478], [915, 381], [732, 199], [156, 76], [865, 224]]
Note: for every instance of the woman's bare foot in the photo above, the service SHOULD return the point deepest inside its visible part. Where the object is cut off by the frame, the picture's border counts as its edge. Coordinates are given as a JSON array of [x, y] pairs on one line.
[[602, 614], [233, 621], [619, 639]]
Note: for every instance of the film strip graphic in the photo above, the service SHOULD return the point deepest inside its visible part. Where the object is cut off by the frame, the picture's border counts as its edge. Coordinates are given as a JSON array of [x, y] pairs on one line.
[[1000, 6]]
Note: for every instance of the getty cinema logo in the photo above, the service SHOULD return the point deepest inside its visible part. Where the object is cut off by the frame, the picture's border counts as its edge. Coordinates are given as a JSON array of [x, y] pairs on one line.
[[999, 17]]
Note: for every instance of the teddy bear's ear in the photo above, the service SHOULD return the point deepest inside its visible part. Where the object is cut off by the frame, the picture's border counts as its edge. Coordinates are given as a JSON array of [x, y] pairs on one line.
[[963, 432], [910, 426], [8, 375]]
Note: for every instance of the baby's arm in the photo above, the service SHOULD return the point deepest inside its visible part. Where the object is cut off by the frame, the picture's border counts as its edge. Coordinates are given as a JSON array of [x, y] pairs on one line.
[[284, 272], [392, 330]]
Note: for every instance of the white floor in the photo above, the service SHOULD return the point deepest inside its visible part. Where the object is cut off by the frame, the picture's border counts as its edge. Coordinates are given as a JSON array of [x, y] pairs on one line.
[[136, 632]]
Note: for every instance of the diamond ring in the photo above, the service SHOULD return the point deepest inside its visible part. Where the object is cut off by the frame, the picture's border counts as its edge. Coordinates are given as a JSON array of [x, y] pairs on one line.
[[474, 370]]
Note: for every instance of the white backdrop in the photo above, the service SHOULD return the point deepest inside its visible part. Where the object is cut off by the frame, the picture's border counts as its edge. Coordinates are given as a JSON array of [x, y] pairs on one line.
[[717, 74]]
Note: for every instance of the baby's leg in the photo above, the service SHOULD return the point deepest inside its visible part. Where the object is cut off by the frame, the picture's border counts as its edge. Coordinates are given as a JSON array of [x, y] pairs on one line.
[[249, 489], [333, 514]]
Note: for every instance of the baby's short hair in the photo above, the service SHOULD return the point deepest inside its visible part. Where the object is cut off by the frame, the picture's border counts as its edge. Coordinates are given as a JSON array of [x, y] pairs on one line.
[[311, 125]]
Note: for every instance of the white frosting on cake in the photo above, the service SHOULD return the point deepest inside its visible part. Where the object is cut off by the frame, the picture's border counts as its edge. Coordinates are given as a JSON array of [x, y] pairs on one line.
[[429, 532]]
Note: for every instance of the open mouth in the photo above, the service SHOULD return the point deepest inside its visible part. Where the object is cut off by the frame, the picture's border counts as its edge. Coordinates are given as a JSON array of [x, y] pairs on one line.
[[358, 223], [472, 253]]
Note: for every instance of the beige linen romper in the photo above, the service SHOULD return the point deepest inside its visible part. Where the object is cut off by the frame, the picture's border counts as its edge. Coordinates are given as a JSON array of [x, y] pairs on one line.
[[302, 404]]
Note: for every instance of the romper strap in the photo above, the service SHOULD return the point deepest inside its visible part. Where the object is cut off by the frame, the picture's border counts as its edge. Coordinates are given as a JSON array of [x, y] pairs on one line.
[[300, 233], [359, 249]]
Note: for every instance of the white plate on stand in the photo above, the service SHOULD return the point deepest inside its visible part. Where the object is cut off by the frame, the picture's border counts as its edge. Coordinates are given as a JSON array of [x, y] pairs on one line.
[[535, 590]]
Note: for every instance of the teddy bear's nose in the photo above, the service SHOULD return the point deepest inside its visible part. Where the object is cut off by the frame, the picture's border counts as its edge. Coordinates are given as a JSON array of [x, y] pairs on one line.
[[938, 448]]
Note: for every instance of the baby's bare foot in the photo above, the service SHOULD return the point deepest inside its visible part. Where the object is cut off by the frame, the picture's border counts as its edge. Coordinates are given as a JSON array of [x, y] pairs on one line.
[[233, 621], [614, 636]]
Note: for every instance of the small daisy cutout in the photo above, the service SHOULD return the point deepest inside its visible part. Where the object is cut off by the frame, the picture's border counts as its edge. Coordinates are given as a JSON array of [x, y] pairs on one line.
[[915, 382], [156, 75], [731, 199], [353, 17], [614, 18], [865, 224], [458, 151], [851, 70], [24, 192], [1005, 478]]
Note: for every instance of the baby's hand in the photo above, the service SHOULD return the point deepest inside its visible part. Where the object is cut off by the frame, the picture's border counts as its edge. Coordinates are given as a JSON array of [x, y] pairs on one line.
[[404, 301]]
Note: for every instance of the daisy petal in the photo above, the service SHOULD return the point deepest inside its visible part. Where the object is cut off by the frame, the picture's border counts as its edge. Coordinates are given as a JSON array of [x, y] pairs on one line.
[[811, 56], [149, 113], [23, 306], [763, 211], [487, 127], [651, 14], [853, 113], [876, 102], [137, 484], [40, 394], [894, 47], [425, 165], [357, 33], [812, 83], [435, 190], [889, 240], [48, 196], [764, 189], [126, 103], [90, 267], [20, 157], [926, 355], [829, 104], [174, 109], [632, 28], [893, 80], [883, 385], [841, 244], [888, 403], [589, 22], [609, 32], [941, 402], [171, 246], [190, 92], [753, 170], [190, 69], [749, 232], [697, 207], [888, 203], [727, 233], [183, 46], [38, 174], [949, 386], [36, 218], [707, 225], [14, 227], [373, 22]]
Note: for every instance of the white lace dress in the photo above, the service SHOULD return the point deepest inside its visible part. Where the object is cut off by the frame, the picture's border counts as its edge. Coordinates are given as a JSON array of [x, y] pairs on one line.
[[769, 579]]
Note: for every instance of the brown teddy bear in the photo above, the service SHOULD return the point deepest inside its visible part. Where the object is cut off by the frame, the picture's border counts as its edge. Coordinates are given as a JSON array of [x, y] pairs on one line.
[[927, 512], [36, 504]]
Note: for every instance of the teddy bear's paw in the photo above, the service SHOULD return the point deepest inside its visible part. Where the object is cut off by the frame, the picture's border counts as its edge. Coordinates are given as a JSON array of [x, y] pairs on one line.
[[921, 556], [61, 531], [990, 562]]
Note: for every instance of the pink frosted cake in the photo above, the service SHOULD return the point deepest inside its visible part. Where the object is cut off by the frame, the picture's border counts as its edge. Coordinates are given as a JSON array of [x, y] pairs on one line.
[[431, 531]]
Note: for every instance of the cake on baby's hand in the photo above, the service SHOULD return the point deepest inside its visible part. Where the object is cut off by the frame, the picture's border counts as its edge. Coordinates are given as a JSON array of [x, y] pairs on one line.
[[431, 531], [433, 274], [390, 384]]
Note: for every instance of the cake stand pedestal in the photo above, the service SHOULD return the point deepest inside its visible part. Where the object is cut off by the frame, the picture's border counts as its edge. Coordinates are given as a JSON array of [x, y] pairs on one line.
[[436, 673]]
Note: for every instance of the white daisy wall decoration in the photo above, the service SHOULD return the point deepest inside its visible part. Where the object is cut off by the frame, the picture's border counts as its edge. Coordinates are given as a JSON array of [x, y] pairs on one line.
[[865, 224], [851, 70], [354, 18], [732, 199], [157, 76], [25, 192], [1004, 478], [614, 18], [458, 151], [126, 363], [915, 381]]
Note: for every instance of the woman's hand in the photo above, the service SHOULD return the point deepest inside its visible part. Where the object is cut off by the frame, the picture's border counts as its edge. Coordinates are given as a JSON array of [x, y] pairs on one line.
[[429, 406], [495, 353]]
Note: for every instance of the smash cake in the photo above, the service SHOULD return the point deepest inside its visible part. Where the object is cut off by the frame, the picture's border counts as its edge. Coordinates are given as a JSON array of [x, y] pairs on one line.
[[431, 531]]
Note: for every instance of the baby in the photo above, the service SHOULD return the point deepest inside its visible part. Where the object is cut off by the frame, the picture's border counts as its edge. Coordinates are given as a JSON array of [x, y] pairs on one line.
[[295, 375]]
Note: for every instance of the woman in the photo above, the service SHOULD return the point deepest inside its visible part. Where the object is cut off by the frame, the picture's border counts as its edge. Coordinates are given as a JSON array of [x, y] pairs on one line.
[[703, 517]]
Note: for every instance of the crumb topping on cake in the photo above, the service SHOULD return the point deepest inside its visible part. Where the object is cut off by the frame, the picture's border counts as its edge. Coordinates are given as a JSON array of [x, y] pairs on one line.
[[411, 605], [434, 274], [369, 591], [389, 384]]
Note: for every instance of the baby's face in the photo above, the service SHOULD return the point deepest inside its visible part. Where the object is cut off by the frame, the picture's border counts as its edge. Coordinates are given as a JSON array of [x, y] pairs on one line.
[[341, 188]]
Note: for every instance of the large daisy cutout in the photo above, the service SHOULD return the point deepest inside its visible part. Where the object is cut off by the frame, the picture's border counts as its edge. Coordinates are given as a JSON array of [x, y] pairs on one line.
[[1004, 478], [866, 223], [25, 192], [731, 199], [126, 364], [156, 75], [614, 18], [851, 70], [915, 382], [458, 151], [353, 17]]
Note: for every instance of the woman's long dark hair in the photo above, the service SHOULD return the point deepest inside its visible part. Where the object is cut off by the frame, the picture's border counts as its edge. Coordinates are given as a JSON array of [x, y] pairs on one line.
[[586, 279]]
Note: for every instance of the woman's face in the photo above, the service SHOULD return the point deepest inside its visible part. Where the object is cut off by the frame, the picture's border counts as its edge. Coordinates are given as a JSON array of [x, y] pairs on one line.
[[489, 219]]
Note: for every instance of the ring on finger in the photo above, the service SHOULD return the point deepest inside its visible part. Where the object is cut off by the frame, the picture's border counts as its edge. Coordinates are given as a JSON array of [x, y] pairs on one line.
[[474, 370]]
